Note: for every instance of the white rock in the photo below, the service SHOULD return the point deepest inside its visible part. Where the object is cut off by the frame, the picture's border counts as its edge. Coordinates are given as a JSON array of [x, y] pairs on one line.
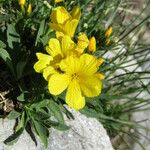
[[85, 134]]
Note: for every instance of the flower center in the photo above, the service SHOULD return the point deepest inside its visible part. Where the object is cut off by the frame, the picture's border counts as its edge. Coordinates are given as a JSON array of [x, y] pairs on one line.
[[75, 76]]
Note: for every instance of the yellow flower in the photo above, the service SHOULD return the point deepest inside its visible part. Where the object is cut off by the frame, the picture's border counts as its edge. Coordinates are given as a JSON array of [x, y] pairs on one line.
[[58, 50], [67, 67], [92, 44], [29, 9], [79, 77], [109, 32], [63, 22], [21, 2], [57, 1]]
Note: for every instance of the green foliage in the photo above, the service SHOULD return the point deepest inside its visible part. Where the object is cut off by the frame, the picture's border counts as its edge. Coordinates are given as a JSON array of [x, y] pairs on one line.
[[14, 137], [13, 115], [21, 36]]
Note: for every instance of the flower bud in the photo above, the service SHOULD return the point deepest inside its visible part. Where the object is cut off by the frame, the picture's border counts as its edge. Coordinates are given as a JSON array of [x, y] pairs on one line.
[[29, 9], [57, 1], [21, 2], [107, 41], [92, 44], [109, 32], [76, 13]]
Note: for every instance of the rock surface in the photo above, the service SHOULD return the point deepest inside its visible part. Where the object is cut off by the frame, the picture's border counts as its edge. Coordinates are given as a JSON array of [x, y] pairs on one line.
[[85, 134]]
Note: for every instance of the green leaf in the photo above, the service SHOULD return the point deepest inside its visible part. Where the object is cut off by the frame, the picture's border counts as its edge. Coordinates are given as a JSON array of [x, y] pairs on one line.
[[44, 39], [84, 2], [6, 57], [2, 44], [62, 127], [112, 15], [40, 115], [40, 31], [42, 132], [23, 96], [5, 17], [29, 130], [38, 105], [56, 125], [20, 68], [12, 36], [67, 112], [21, 122], [54, 108], [14, 137], [13, 115], [90, 112], [116, 126]]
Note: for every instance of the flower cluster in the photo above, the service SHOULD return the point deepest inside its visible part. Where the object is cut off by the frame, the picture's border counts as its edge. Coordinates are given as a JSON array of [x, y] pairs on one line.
[[70, 65]]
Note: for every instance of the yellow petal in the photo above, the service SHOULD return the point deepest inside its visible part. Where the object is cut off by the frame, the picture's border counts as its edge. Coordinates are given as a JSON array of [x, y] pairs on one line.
[[59, 15], [82, 43], [92, 44], [58, 83], [70, 65], [76, 13], [41, 56], [74, 97], [57, 27], [44, 61], [99, 61], [70, 27], [91, 86], [59, 35], [53, 47], [100, 76], [67, 45], [48, 71], [40, 65], [88, 64]]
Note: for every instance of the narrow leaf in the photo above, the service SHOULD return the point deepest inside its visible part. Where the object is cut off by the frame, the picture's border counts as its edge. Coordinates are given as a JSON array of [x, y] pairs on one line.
[[42, 131], [21, 122], [20, 67], [56, 125], [2, 44], [54, 108], [14, 137], [13, 115], [23, 96], [40, 31], [12, 36]]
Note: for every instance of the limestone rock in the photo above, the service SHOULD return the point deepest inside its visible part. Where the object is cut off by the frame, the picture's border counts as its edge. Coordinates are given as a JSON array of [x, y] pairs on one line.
[[85, 134]]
